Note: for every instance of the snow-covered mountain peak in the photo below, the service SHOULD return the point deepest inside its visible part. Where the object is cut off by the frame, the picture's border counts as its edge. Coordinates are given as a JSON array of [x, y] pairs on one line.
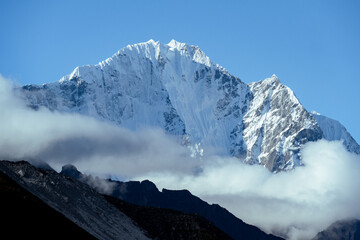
[[272, 80], [81, 75], [152, 41], [176, 87], [191, 51], [178, 55], [160, 52], [75, 72], [175, 44]]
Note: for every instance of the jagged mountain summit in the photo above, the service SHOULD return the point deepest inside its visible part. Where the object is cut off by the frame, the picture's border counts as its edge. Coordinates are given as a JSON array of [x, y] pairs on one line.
[[176, 87]]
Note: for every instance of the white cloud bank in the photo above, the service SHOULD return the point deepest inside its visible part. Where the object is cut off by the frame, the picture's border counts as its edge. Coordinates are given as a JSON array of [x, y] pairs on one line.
[[295, 204]]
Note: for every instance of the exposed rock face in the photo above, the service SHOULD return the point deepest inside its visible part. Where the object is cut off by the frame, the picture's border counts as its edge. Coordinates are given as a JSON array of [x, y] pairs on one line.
[[280, 124], [177, 88]]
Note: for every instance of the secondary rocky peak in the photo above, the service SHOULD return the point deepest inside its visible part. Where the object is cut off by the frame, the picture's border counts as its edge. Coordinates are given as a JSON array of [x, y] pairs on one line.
[[281, 126], [71, 171], [271, 81]]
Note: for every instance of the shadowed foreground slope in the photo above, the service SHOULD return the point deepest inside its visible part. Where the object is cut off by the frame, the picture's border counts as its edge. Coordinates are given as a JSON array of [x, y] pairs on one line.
[[24, 216], [74, 200]]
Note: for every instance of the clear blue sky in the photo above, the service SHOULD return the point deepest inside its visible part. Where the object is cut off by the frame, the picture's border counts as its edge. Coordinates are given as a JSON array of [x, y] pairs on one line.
[[312, 46]]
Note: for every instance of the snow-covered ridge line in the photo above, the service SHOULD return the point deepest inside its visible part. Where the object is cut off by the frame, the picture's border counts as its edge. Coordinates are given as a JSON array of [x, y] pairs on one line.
[[334, 130], [176, 87]]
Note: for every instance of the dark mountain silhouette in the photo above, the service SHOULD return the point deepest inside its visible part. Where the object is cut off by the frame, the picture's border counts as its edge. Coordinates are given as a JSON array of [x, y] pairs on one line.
[[163, 223], [145, 193]]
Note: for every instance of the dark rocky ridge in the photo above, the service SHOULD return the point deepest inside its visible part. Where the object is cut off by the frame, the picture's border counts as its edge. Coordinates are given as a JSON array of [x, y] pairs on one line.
[[163, 223], [145, 193]]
